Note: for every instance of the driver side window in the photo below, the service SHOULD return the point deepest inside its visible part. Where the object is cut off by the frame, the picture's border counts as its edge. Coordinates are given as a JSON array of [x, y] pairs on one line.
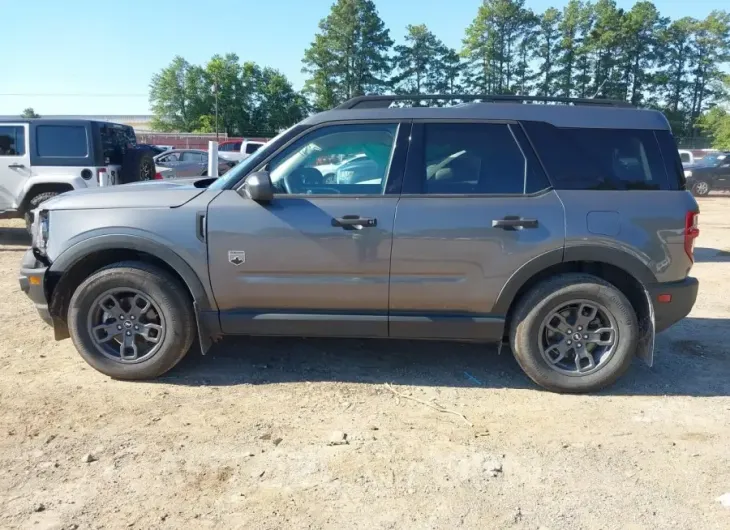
[[336, 160]]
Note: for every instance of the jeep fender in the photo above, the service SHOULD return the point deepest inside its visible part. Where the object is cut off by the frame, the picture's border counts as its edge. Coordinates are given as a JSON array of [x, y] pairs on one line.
[[75, 181], [206, 312]]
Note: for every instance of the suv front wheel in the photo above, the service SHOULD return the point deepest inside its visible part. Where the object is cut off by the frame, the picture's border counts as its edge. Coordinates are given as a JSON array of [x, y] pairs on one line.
[[131, 320], [574, 333]]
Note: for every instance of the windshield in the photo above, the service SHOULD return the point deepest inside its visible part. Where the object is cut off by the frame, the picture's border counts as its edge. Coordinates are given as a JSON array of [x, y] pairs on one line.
[[712, 160], [247, 164]]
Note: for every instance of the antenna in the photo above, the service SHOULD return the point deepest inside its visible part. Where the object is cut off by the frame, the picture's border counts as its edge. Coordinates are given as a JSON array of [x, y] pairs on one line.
[[598, 89]]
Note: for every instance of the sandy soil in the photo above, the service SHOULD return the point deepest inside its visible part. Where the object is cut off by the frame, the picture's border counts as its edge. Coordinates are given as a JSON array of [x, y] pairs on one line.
[[241, 438]]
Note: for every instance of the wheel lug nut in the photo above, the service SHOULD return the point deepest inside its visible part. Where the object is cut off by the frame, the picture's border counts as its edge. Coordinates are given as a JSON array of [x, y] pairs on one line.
[[129, 333], [569, 342], [570, 331], [580, 328], [121, 317], [585, 337], [132, 317], [136, 328], [579, 345], [119, 327]]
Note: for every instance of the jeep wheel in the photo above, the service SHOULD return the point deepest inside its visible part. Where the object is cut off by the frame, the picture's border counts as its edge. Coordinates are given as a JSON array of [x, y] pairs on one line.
[[701, 188], [131, 321], [574, 333], [137, 165], [34, 203]]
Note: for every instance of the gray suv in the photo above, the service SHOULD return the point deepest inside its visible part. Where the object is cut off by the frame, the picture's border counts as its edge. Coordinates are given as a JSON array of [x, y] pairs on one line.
[[563, 230]]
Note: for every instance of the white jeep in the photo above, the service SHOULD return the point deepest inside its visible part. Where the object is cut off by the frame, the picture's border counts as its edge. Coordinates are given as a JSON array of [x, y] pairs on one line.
[[41, 158]]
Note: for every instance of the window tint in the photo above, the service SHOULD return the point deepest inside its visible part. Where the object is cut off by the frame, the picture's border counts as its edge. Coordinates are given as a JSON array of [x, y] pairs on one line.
[[230, 147], [63, 141], [341, 159], [685, 157], [472, 158], [192, 156], [12, 140], [251, 148], [600, 159]]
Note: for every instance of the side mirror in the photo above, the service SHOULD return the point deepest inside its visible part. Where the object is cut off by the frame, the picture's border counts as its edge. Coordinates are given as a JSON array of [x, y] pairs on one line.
[[258, 187]]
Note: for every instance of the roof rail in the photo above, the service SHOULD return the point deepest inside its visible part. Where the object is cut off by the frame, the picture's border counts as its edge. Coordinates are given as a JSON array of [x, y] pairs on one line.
[[385, 101]]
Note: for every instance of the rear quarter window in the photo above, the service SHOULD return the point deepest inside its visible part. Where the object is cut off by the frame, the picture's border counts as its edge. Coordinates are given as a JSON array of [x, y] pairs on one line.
[[601, 159], [62, 141]]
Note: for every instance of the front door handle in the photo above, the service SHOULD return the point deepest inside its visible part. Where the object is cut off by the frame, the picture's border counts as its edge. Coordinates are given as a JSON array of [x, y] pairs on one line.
[[16, 166], [354, 221], [513, 222]]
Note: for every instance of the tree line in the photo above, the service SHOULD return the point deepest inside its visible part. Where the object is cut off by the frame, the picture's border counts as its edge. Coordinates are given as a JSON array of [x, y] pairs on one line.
[[587, 49]]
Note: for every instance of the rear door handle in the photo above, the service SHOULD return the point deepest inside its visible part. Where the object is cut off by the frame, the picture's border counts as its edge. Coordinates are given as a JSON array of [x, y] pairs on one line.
[[512, 222], [16, 166], [354, 221]]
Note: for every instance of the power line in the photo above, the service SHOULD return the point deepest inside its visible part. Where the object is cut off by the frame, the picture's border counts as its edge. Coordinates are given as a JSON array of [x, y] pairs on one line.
[[72, 95]]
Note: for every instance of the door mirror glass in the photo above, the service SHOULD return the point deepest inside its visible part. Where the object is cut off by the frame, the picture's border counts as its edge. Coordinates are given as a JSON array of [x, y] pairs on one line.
[[258, 187]]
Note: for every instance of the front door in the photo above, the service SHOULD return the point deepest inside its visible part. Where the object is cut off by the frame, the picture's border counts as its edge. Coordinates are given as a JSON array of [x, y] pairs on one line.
[[14, 163], [476, 206], [316, 260]]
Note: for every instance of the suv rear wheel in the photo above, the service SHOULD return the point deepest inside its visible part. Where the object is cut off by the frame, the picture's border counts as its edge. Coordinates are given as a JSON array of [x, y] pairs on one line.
[[701, 188], [34, 203], [131, 320], [574, 333]]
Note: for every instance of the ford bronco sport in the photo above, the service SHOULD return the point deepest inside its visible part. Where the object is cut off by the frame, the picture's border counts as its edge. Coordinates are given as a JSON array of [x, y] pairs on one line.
[[41, 158], [563, 230]]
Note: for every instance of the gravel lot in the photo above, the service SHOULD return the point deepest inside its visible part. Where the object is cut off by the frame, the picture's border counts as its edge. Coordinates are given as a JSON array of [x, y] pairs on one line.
[[242, 438]]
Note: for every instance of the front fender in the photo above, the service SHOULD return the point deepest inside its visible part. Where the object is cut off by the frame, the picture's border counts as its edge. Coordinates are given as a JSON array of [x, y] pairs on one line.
[[75, 181]]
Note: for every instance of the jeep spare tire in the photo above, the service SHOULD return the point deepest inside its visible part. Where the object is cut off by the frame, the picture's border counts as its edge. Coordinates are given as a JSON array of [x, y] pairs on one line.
[[137, 165]]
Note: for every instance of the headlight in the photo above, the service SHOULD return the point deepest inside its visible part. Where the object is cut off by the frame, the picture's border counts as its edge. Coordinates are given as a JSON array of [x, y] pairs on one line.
[[41, 231], [687, 173]]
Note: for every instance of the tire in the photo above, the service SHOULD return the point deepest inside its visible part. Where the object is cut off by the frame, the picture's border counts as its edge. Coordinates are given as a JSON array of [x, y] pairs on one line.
[[137, 166], [527, 333], [34, 203], [166, 295], [701, 188]]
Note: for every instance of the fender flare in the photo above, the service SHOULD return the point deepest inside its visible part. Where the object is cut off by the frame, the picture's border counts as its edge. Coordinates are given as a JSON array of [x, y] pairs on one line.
[[74, 181], [629, 263], [206, 312]]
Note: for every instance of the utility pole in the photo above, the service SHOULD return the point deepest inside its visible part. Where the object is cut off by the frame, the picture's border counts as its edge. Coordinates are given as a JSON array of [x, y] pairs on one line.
[[215, 91]]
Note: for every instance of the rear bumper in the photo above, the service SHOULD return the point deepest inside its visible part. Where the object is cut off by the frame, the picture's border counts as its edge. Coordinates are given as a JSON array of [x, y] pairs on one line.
[[684, 295], [32, 279]]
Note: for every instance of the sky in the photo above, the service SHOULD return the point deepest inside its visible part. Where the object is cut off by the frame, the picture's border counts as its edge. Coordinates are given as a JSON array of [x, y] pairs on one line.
[[97, 57]]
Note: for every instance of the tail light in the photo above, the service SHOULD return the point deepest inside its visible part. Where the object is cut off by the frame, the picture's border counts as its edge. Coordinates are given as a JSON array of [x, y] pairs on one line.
[[691, 231], [100, 174], [158, 176]]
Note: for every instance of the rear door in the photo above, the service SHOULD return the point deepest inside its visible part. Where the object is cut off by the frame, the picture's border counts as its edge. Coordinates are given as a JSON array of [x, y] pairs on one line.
[[316, 259], [14, 163], [476, 207]]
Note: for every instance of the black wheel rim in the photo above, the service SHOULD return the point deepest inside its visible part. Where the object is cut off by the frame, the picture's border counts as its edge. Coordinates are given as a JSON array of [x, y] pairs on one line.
[[578, 338], [126, 325], [145, 172]]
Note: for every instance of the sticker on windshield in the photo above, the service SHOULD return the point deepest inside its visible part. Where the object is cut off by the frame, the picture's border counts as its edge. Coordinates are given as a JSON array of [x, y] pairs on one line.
[[237, 257]]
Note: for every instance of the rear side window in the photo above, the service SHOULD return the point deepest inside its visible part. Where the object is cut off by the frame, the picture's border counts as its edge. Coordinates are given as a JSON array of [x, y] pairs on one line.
[[673, 165], [62, 141], [192, 156], [473, 158], [251, 148], [12, 140], [600, 159]]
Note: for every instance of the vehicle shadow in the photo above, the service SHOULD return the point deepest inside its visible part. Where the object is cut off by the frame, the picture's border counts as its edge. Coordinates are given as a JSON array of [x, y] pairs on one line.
[[14, 236], [711, 255], [691, 359]]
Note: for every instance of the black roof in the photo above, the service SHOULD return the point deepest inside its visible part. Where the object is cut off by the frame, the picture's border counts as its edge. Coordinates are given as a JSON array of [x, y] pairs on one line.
[[583, 113]]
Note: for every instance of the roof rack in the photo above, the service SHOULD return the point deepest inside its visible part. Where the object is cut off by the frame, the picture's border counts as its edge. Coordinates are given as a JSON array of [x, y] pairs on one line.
[[385, 101]]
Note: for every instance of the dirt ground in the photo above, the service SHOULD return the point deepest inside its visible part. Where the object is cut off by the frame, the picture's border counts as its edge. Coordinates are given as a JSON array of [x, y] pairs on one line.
[[241, 438]]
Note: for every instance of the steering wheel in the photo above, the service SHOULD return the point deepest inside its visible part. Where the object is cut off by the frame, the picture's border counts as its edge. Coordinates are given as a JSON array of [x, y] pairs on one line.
[[300, 179]]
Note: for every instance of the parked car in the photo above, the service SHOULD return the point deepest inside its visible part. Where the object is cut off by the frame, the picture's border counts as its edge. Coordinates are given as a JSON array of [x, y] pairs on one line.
[[474, 223], [245, 149], [711, 172], [41, 158], [687, 157], [189, 163]]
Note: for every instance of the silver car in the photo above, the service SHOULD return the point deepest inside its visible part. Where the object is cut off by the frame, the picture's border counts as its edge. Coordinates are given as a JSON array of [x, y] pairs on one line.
[[188, 163]]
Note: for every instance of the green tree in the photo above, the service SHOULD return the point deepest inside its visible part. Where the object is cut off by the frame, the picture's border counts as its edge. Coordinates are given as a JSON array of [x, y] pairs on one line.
[[416, 61], [29, 113], [349, 55], [446, 73], [178, 95], [548, 49], [571, 56], [641, 29], [277, 104], [604, 44]]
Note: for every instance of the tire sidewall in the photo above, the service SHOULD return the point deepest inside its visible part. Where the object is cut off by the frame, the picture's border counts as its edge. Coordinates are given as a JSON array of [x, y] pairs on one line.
[[697, 193], [527, 338], [175, 342]]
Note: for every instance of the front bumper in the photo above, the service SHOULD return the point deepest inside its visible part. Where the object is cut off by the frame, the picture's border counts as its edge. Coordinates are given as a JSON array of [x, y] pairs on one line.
[[683, 296], [32, 280]]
